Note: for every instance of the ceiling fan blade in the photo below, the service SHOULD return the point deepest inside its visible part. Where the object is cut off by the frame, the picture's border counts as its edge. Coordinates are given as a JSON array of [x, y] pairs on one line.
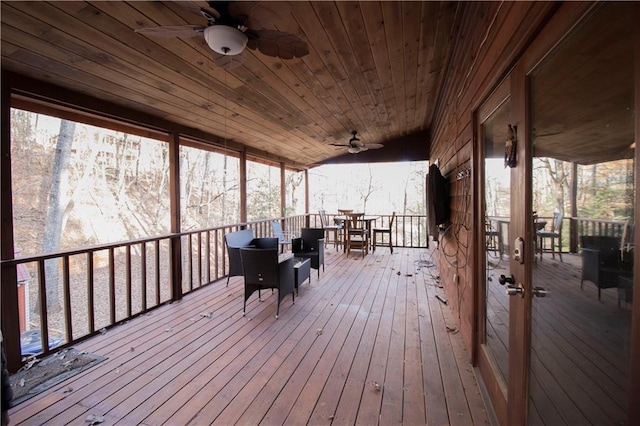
[[260, 14], [229, 62], [345, 145], [224, 17], [374, 145], [208, 13], [363, 148], [182, 31], [278, 44]]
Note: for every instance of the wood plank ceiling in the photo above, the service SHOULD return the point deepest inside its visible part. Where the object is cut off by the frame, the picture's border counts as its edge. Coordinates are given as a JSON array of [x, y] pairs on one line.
[[375, 67]]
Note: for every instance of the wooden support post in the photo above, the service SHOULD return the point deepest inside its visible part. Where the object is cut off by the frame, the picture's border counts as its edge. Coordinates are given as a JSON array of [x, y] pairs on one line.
[[243, 187], [9, 303], [174, 193], [573, 228], [306, 197], [283, 191]]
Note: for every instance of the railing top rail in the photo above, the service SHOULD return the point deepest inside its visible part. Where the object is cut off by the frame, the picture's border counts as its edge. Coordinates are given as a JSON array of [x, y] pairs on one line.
[[590, 219], [87, 249], [107, 246]]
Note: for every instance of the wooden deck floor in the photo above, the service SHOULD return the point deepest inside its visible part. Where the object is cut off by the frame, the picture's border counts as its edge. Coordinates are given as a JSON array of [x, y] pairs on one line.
[[368, 343]]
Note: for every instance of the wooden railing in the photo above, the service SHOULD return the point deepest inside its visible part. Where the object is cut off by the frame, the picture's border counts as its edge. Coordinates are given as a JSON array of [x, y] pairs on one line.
[[574, 227], [585, 226], [81, 292], [407, 230]]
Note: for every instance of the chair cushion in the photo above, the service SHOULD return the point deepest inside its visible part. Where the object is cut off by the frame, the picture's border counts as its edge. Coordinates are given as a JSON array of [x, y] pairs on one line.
[[239, 238]]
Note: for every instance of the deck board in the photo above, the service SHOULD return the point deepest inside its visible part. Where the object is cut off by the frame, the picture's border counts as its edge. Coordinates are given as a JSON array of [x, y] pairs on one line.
[[199, 361], [435, 410], [341, 396], [337, 361]]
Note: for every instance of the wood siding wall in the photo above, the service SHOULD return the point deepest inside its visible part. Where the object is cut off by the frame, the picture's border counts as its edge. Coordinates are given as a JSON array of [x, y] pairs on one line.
[[491, 36]]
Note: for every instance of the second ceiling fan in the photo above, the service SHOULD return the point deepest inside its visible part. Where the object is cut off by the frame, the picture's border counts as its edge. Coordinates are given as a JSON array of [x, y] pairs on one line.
[[355, 145]]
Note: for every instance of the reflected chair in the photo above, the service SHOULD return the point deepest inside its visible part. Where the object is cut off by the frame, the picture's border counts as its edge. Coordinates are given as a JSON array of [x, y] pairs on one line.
[[284, 237], [310, 245], [356, 234], [336, 229], [262, 270], [493, 239], [626, 248], [384, 231], [600, 261], [554, 237], [626, 245]]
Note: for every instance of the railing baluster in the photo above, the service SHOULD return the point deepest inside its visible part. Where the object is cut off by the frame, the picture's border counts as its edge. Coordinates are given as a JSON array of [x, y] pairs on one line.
[[216, 251], [66, 282], [157, 269], [207, 253], [91, 316], [404, 231], [44, 315], [199, 259], [128, 280], [143, 275], [411, 233], [224, 262], [112, 286], [190, 260]]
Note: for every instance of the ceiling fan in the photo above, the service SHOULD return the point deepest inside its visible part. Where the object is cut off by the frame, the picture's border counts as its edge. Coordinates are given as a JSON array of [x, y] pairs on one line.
[[232, 26], [355, 145]]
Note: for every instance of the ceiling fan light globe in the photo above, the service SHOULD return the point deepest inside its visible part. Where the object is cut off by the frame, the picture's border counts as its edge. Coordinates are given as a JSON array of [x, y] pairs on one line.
[[225, 40], [353, 150]]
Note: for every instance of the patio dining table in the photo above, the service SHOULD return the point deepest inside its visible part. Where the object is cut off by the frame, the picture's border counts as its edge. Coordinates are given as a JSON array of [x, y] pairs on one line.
[[368, 221]]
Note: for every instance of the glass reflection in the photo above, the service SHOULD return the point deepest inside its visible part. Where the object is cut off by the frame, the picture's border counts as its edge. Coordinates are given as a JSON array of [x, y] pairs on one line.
[[583, 133], [497, 196]]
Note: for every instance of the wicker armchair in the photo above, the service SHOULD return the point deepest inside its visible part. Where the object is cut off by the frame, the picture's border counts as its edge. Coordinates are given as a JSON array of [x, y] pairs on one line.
[[262, 270], [600, 261], [310, 245]]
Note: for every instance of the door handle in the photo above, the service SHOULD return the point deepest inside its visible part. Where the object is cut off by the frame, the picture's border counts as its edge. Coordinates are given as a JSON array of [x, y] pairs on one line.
[[503, 279], [513, 289], [540, 292]]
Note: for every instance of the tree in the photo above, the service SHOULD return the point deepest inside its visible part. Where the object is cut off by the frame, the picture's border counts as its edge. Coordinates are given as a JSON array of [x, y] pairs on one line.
[[367, 190], [607, 190], [293, 181], [57, 206], [559, 179]]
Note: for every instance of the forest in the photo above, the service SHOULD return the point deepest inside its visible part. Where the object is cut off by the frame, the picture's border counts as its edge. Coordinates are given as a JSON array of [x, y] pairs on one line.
[[605, 191], [76, 185]]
